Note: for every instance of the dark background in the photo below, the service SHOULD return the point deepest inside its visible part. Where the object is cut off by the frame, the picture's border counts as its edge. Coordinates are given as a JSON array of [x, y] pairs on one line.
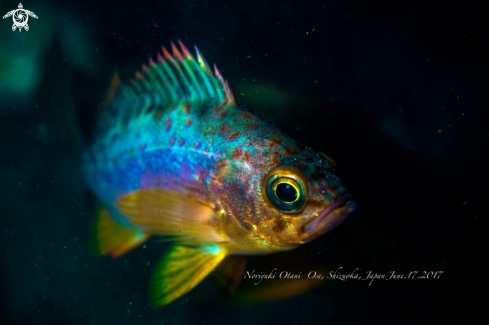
[[395, 93]]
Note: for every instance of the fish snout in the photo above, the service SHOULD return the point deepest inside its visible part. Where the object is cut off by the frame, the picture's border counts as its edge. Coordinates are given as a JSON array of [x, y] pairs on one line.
[[332, 216]]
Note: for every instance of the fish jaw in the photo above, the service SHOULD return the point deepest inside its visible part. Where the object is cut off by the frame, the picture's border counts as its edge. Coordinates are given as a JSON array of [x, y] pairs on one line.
[[331, 217]]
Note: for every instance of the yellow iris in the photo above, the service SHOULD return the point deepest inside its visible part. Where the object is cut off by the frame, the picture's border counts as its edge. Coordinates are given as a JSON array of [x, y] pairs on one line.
[[290, 182], [286, 189]]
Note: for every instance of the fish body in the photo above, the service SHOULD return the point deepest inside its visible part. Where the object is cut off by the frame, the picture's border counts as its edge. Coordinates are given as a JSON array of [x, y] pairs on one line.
[[174, 156]]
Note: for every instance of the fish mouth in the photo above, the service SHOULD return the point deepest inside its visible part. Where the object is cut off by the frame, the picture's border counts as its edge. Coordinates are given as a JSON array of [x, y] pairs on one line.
[[333, 215]]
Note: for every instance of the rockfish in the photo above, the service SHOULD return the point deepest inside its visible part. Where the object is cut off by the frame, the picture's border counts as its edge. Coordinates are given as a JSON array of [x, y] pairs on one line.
[[173, 155]]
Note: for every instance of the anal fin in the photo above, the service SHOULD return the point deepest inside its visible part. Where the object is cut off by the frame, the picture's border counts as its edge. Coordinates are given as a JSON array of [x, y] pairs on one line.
[[180, 270], [113, 238]]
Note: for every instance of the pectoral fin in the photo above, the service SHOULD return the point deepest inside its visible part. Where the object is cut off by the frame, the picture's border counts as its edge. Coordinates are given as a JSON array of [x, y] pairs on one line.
[[180, 270], [114, 238], [162, 212]]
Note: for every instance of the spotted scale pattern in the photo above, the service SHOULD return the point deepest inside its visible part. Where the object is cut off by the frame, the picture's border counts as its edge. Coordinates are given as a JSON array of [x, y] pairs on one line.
[[169, 127]]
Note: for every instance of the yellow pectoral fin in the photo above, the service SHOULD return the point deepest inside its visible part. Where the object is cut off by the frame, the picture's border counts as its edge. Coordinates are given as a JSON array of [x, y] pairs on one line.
[[227, 276], [114, 238], [167, 213], [180, 270]]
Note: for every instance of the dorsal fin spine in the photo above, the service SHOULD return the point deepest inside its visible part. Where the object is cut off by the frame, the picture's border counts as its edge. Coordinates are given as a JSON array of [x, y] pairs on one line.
[[166, 82], [197, 91], [138, 75], [175, 52], [167, 70], [229, 94], [166, 54], [206, 78], [217, 73], [207, 91], [154, 77], [186, 53], [143, 84], [202, 62], [137, 86], [220, 78], [184, 76], [177, 79]]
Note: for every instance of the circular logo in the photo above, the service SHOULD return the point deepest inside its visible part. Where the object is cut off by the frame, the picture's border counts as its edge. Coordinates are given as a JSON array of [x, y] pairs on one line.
[[20, 18]]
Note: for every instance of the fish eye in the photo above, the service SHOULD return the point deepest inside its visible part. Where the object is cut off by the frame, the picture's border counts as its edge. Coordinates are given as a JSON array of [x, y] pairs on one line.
[[287, 189]]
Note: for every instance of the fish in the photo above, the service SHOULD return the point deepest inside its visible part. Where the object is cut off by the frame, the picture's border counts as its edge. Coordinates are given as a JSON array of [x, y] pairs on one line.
[[173, 155]]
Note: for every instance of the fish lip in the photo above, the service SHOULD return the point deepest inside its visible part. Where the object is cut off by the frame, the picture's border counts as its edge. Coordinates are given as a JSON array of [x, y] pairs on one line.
[[344, 201]]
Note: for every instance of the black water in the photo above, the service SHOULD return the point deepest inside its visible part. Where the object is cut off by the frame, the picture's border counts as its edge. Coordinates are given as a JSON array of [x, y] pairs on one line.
[[395, 93]]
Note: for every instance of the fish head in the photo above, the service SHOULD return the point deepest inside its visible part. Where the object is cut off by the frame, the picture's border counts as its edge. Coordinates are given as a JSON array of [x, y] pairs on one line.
[[290, 199]]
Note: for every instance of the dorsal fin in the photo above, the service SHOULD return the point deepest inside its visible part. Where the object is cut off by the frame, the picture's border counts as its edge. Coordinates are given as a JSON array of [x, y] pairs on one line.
[[179, 77]]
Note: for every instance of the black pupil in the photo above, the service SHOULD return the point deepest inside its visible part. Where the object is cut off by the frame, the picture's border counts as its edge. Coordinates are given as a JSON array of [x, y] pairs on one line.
[[286, 193]]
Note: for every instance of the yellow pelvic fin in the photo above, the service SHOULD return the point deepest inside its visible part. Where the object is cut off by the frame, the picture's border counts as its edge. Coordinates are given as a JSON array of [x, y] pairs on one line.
[[228, 274], [167, 213], [180, 270], [114, 238]]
